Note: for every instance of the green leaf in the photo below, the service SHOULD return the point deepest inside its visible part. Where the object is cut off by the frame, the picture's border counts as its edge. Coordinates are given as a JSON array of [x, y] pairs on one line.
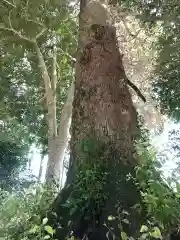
[[124, 236], [47, 237], [156, 233], [73, 209], [111, 218], [143, 229], [71, 238], [45, 220], [144, 236], [178, 187], [149, 208], [65, 60], [34, 230], [131, 238], [49, 229], [125, 212], [126, 221]]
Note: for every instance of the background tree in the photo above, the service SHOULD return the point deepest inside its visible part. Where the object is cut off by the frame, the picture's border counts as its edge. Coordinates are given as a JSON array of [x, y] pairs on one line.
[[33, 30]]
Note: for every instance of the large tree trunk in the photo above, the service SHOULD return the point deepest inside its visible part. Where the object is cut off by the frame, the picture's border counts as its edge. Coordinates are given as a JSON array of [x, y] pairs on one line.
[[100, 185]]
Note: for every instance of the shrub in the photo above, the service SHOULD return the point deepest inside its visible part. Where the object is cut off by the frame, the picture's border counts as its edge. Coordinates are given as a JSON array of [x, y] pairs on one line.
[[21, 214]]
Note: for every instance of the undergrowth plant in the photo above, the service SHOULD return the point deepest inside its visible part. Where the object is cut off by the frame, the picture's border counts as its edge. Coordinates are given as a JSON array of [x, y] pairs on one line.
[[21, 214], [162, 202]]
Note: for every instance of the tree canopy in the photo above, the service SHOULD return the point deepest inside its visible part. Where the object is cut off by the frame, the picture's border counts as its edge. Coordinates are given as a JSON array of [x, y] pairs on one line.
[[22, 90]]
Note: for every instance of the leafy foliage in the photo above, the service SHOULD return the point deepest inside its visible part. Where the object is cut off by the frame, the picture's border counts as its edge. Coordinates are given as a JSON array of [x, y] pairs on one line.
[[20, 214], [14, 150], [162, 19], [160, 195], [21, 93], [161, 200], [22, 90], [88, 187], [12, 157]]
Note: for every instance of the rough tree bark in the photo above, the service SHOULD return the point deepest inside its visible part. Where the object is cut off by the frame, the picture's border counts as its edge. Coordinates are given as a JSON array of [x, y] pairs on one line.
[[100, 183]]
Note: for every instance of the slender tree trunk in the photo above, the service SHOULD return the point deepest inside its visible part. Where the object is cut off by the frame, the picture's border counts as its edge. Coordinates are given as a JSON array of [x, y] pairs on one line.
[[53, 87], [57, 137], [64, 127], [53, 166], [57, 147], [100, 185], [49, 94], [40, 169]]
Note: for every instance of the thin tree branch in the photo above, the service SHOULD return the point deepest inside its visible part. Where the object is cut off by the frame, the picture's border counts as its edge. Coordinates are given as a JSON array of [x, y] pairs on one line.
[[41, 33], [133, 35], [12, 30], [35, 22], [44, 97], [58, 68], [43, 68], [65, 53], [31, 20], [48, 89], [9, 18], [16, 33], [68, 55], [11, 4], [54, 70]]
